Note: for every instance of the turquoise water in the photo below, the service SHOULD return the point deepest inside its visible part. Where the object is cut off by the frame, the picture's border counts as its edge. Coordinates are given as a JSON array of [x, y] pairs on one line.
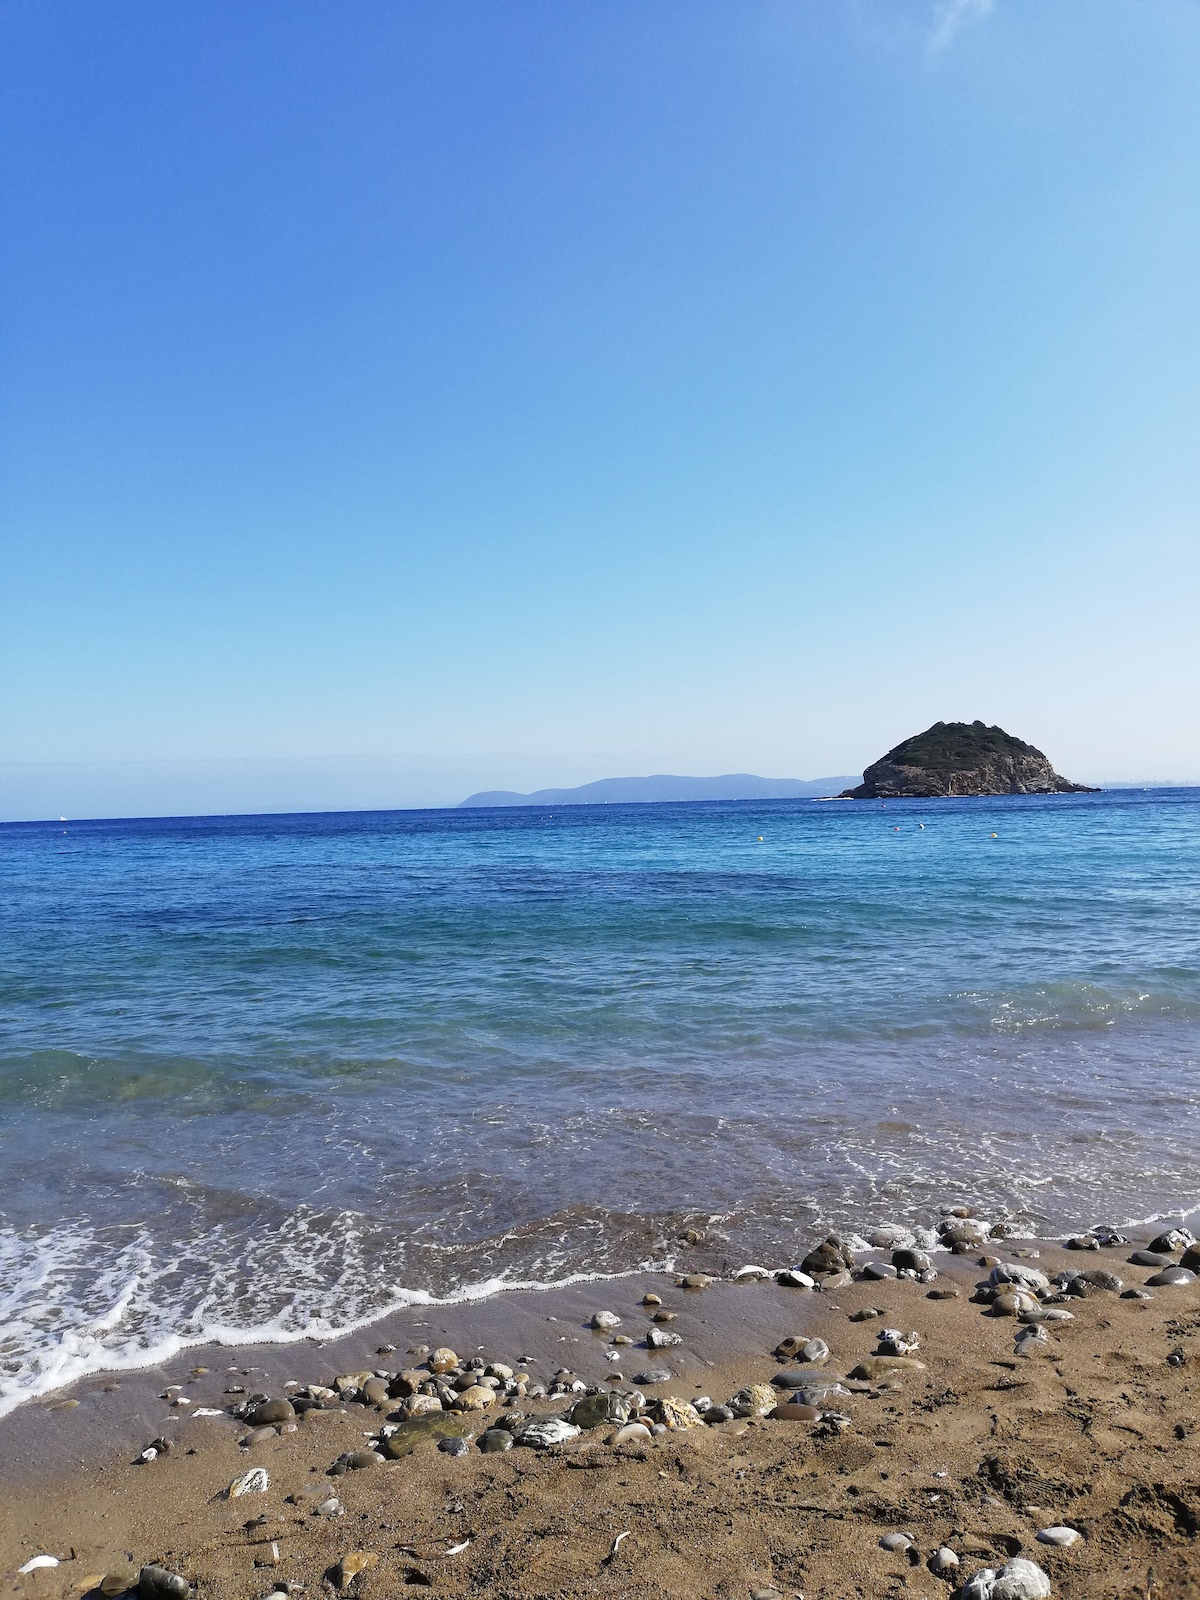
[[270, 1075]]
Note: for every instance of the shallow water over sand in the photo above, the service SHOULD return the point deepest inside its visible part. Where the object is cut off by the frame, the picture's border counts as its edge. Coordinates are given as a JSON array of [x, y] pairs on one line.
[[273, 1075]]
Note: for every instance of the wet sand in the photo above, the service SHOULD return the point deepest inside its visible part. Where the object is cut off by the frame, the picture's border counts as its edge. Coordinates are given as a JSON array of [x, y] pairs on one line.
[[977, 1452]]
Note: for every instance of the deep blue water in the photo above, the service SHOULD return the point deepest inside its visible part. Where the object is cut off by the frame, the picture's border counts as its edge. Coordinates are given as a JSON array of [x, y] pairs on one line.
[[278, 1073]]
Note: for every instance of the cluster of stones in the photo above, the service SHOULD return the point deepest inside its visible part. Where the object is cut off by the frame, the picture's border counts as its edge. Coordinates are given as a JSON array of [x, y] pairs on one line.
[[1038, 1302], [453, 1402]]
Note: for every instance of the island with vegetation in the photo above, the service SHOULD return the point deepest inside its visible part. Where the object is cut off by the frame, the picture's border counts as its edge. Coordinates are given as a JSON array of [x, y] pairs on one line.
[[961, 758]]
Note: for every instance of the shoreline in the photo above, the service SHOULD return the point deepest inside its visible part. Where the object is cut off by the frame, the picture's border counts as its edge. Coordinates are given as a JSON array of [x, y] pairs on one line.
[[425, 1303], [794, 1506]]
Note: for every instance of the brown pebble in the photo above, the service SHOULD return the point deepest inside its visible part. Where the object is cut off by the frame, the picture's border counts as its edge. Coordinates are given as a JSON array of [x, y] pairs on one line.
[[793, 1411]]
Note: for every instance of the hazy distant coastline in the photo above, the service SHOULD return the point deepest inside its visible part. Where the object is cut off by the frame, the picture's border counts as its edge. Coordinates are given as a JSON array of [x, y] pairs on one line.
[[665, 786]]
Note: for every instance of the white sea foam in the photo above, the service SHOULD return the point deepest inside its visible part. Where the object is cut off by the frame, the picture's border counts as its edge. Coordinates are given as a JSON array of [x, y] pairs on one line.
[[66, 1312]]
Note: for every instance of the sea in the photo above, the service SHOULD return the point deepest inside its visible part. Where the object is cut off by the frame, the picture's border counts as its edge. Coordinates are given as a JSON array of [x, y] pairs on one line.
[[270, 1077]]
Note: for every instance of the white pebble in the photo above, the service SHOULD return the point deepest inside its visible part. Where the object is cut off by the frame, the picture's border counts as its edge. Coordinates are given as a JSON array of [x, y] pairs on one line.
[[256, 1481], [1062, 1537]]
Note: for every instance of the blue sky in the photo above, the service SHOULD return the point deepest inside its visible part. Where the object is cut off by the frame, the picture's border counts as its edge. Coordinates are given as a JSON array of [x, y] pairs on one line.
[[401, 399]]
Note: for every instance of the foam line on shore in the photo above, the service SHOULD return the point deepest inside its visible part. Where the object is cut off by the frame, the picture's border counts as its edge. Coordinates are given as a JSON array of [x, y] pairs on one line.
[[82, 1353], [73, 1360]]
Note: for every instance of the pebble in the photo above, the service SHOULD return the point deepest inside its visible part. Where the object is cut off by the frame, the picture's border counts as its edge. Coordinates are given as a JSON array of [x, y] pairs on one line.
[[715, 1414], [1016, 1580], [964, 1230], [889, 1238], [258, 1436], [867, 1314], [443, 1360], [544, 1432], [1083, 1241], [751, 1274], [942, 1294], [651, 1300], [636, 1432], [1012, 1304], [675, 1413], [873, 1367], [1099, 1278], [656, 1339], [793, 1278], [158, 1583], [695, 1280], [1005, 1272], [600, 1410], [1064, 1538], [359, 1460], [454, 1446], [895, 1541], [793, 1411], [1171, 1278], [911, 1260], [1150, 1258], [329, 1508], [795, 1348], [877, 1270], [272, 1411], [1191, 1258], [653, 1375], [829, 1256], [495, 1440], [943, 1560], [755, 1400], [256, 1481], [1174, 1239], [474, 1398], [606, 1319]]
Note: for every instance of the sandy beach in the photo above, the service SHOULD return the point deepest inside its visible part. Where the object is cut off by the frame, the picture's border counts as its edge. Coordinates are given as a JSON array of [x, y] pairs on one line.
[[971, 1454]]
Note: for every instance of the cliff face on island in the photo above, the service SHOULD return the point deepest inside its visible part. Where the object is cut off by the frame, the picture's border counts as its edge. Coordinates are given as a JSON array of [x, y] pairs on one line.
[[961, 758]]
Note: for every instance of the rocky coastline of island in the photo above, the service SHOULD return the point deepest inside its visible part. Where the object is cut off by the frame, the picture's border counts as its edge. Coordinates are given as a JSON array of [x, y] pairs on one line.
[[953, 760]]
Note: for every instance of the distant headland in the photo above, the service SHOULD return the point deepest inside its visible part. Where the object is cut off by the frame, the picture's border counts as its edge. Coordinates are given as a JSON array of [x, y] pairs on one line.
[[665, 787], [961, 758]]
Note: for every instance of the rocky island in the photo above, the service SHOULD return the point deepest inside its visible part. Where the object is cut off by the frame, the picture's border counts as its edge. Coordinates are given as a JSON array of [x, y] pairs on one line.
[[961, 758]]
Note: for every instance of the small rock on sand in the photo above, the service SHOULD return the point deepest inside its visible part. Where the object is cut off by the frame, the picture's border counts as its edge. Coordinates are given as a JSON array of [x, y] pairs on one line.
[[1016, 1580], [882, 1366], [158, 1583], [495, 1440], [547, 1431], [272, 1411], [793, 1411], [1063, 1538]]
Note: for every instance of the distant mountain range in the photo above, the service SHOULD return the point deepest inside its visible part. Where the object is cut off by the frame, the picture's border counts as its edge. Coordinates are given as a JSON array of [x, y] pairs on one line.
[[663, 786]]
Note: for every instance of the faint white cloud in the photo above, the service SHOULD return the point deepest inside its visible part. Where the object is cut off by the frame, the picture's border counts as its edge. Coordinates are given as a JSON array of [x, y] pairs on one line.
[[950, 16]]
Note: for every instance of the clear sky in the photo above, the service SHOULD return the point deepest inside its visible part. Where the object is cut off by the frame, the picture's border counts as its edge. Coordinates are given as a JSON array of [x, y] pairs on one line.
[[400, 398]]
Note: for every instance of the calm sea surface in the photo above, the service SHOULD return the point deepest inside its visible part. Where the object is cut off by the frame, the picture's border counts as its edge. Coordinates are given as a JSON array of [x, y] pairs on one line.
[[269, 1076]]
